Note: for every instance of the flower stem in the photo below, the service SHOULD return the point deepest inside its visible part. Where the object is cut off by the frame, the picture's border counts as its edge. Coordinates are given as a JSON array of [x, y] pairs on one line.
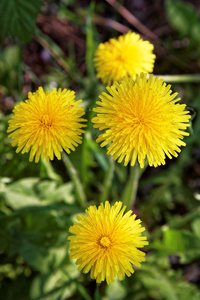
[[81, 198], [108, 180], [130, 192], [181, 78]]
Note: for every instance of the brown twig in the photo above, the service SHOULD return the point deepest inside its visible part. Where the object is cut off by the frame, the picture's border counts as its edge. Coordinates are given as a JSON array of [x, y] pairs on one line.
[[132, 19], [166, 29], [110, 23]]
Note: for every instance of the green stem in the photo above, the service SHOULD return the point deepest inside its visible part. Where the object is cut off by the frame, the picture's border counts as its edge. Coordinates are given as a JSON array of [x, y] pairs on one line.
[[108, 180], [181, 78], [81, 198], [130, 192]]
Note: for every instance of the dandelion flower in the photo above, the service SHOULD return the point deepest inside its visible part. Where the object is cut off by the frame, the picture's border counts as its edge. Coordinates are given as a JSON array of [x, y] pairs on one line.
[[121, 57], [47, 123], [105, 241], [141, 119]]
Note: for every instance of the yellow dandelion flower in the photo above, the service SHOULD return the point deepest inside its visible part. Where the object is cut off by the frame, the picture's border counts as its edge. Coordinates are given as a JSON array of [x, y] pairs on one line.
[[121, 57], [142, 119], [106, 242], [47, 123]]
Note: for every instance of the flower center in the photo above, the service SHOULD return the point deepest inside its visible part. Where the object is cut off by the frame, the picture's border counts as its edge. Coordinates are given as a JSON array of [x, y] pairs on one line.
[[105, 242], [45, 121], [140, 121], [120, 57]]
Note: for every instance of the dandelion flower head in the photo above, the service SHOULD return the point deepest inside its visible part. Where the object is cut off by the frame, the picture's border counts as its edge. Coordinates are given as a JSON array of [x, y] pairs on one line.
[[105, 241], [141, 119], [46, 123], [124, 56]]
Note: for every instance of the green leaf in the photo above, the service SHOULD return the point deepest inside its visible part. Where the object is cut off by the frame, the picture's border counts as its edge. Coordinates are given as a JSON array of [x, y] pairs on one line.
[[179, 242], [158, 282], [20, 194], [52, 194], [166, 284], [18, 200], [195, 32], [55, 285], [30, 191], [40, 258], [43, 230], [24, 186], [17, 18], [186, 290], [181, 15], [196, 226]]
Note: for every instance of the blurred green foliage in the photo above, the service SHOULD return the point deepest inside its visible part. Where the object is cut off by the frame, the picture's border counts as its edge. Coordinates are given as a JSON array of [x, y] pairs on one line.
[[184, 18], [18, 17], [38, 202]]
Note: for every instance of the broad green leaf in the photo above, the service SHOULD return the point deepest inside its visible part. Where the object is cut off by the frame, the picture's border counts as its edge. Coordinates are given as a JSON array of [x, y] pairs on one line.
[[20, 194], [158, 282], [49, 191], [24, 186], [31, 191], [67, 209], [181, 15], [179, 242], [55, 285], [62, 193], [18, 200], [18, 17], [50, 222], [43, 230], [40, 258], [45, 188], [166, 284]]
